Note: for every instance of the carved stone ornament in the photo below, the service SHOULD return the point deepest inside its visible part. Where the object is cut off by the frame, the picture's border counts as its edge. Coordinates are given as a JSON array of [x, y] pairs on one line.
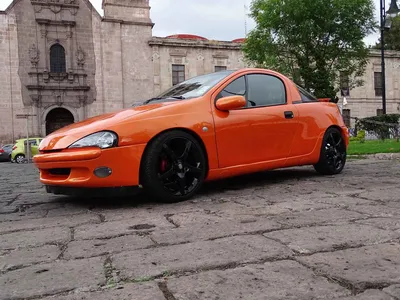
[[80, 57], [156, 55], [34, 55], [59, 97], [36, 100], [43, 32], [55, 8], [200, 55]]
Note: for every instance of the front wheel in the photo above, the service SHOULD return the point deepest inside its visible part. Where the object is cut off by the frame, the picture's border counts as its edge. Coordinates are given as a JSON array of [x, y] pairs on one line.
[[19, 159], [333, 153], [174, 167]]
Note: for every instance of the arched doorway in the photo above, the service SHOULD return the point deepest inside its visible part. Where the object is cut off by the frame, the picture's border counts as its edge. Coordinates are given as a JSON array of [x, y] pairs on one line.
[[58, 118]]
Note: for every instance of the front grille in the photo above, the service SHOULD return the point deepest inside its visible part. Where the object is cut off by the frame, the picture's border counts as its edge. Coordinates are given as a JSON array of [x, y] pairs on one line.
[[60, 172]]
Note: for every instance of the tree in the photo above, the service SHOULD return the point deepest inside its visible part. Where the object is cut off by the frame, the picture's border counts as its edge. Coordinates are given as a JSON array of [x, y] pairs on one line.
[[392, 37], [313, 41]]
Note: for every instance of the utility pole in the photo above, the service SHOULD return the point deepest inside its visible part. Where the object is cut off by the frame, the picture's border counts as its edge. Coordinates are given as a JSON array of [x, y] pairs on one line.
[[245, 18], [26, 116]]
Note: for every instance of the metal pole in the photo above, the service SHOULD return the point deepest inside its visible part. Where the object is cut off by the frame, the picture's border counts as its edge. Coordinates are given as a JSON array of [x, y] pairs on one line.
[[383, 17], [27, 139]]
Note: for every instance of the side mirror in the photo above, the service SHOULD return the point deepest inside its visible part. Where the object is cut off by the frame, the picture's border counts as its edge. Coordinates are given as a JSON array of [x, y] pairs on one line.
[[230, 103]]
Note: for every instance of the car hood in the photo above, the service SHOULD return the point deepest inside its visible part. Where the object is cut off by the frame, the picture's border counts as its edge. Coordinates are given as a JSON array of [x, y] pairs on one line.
[[65, 136]]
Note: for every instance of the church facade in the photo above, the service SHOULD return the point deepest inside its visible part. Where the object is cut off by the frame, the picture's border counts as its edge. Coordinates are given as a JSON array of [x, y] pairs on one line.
[[61, 62]]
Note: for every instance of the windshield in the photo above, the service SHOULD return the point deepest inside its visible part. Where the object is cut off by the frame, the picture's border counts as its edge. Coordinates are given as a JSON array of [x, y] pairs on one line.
[[194, 87]]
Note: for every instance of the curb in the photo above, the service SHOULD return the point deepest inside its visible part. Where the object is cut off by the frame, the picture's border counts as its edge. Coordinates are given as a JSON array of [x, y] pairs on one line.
[[378, 156]]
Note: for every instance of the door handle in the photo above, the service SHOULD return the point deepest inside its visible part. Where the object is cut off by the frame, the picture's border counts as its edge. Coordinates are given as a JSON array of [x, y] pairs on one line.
[[289, 115]]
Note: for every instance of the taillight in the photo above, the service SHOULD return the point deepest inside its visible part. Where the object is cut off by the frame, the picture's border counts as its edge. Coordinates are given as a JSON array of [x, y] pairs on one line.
[[1, 151], [15, 147]]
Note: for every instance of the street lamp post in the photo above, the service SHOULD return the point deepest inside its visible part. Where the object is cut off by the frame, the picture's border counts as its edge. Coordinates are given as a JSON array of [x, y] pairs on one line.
[[386, 23]]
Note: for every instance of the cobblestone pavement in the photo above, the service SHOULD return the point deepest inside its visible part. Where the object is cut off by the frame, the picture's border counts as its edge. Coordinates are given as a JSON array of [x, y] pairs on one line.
[[285, 234]]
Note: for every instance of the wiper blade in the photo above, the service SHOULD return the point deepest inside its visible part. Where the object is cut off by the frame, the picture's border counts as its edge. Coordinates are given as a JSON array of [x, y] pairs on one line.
[[162, 98], [152, 99]]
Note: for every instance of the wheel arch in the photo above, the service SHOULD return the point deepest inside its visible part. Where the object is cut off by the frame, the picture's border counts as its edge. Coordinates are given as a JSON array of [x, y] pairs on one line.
[[338, 128], [317, 149], [189, 131]]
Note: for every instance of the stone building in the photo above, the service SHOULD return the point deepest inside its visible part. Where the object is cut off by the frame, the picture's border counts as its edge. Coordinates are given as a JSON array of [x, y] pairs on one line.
[[366, 100], [62, 62]]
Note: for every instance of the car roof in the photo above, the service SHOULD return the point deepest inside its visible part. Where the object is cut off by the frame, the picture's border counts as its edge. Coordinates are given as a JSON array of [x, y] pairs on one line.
[[31, 138]]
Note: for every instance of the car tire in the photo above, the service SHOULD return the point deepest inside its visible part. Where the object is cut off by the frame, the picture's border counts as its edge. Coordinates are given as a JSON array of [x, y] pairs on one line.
[[19, 159], [333, 153], [173, 167]]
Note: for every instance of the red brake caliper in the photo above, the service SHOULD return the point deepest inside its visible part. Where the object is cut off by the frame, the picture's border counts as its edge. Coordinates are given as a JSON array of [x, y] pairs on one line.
[[163, 165]]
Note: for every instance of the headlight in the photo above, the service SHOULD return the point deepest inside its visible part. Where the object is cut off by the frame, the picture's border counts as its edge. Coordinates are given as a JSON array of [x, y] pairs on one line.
[[102, 139]]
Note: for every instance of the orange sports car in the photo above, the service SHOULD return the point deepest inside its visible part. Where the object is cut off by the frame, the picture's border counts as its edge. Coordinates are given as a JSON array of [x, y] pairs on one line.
[[209, 127]]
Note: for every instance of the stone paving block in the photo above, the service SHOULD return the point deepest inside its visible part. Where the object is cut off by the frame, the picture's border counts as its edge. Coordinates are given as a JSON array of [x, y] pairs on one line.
[[57, 277], [122, 227], [272, 209], [88, 248], [384, 223], [145, 211], [212, 230], [344, 201], [19, 216], [8, 209], [23, 257], [283, 280], [324, 216], [376, 210], [386, 195], [67, 209], [67, 221], [370, 295], [142, 291], [27, 198], [31, 238], [362, 267], [194, 218], [327, 238], [393, 290], [198, 255]]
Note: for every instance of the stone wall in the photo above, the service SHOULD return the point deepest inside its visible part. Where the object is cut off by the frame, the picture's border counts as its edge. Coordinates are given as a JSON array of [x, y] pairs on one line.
[[362, 101], [126, 55], [10, 95], [198, 57]]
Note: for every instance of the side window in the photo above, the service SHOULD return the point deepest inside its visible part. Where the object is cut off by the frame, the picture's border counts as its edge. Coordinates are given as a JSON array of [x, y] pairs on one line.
[[265, 90], [306, 96], [237, 87]]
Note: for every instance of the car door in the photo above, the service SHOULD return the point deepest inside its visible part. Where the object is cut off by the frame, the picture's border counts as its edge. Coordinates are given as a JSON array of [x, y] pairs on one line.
[[35, 146], [260, 132]]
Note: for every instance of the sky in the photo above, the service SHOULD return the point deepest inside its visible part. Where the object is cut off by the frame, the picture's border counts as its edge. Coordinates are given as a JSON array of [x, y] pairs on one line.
[[208, 18]]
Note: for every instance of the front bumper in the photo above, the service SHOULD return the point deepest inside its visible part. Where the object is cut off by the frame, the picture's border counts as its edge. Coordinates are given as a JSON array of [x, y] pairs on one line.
[[74, 168], [93, 192]]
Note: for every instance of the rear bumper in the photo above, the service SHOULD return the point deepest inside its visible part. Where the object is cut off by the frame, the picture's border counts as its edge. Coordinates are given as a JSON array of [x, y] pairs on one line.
[[75, 168], [346, 135]]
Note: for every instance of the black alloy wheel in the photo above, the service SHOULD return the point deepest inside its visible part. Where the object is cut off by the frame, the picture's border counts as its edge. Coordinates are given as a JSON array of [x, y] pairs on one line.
[[333, 153], [174, 167]]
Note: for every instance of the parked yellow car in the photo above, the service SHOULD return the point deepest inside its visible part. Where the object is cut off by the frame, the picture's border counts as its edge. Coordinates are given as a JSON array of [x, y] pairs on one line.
[[18, 151]]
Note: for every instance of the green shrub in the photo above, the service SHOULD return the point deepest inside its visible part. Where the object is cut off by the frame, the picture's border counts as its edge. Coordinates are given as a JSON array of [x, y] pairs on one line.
[[359, 138], [383, 126]]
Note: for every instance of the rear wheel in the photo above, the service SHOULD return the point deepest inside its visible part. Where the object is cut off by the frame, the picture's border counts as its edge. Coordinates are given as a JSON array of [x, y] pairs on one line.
[[19, 159], [333, 153], [174, 167]]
